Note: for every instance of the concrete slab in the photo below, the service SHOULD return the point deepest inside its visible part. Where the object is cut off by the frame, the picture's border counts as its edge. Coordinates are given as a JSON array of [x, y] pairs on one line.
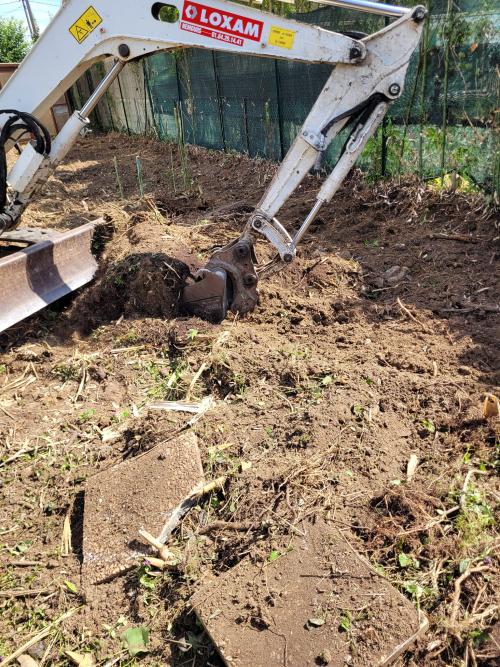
[[138, 493], [318, 603]]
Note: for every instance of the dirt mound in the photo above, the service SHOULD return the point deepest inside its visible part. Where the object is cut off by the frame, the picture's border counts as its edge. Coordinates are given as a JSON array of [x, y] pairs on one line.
[[370, 354], [139, 285]]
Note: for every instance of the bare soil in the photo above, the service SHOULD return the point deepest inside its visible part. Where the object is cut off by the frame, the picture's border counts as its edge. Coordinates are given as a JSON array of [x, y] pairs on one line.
[[140, 492], [376, 347], [288, 610]]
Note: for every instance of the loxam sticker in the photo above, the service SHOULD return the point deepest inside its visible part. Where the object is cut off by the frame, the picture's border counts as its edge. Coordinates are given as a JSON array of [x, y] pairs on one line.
[[84, 25], [219, 24], [282, 37]]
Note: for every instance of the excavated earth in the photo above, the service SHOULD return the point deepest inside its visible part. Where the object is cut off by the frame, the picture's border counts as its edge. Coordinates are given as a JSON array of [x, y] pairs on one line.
[[351, 397]]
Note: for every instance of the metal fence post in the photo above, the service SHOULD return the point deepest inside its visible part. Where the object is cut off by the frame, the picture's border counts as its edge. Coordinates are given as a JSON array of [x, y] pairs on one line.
[[97, 115], [145, 74], [123, 104], [279, 110], [219, 100], [245, 121]]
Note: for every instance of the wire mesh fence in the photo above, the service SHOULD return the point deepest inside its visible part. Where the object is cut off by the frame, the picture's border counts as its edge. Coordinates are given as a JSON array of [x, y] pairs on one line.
[[443, 123]]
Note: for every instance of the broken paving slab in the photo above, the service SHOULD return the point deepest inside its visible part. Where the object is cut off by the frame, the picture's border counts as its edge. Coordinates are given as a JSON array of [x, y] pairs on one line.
[[137, 493], [318, 603]]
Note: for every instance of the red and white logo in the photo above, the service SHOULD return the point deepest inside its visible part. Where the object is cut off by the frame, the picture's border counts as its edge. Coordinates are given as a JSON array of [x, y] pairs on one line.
[[219, 24]]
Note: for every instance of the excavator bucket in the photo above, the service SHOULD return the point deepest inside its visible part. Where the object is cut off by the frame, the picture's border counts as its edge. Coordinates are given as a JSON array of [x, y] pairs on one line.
[[53, 265]]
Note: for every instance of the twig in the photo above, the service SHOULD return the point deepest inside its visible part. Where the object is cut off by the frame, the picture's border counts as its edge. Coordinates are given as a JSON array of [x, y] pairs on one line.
[[165, 554], [23, 593], [432, 523], [410, 315], [458, 589], [66, 537], [7, 413], [471, 308], [17, 455], [140, 180], [453, 237], [81, 386], [242, 527], [36, 638], [25, 563], [118, 179], [195, 379]]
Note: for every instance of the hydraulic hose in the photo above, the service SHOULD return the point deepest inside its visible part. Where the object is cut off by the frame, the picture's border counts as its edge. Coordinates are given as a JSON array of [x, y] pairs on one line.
[[19, 121]]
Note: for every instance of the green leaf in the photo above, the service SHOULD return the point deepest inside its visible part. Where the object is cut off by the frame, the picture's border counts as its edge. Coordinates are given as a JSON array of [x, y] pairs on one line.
[[146, 580], [415, 589], [328, 379], [464, 565], [405, 560], [274, 555], [20, 548], [345, 622], [136, 640], [428, 425], [358, 411], [70, 586]]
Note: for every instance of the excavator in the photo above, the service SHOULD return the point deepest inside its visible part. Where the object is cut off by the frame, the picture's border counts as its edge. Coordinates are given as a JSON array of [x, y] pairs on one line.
[[368, 74]]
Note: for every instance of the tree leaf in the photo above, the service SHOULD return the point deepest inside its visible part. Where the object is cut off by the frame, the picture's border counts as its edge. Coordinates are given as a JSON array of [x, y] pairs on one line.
[[274, 555], [404, 560], [464, 565], [71, 586], [345, 622], [136, 640], [428, 425]]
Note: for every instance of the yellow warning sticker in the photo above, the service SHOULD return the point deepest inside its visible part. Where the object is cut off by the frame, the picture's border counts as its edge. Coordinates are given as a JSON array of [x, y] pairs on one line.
[[83, 26], [281, 37]]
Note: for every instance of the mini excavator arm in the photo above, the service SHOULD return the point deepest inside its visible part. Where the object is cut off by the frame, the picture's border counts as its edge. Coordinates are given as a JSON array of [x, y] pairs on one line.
[[369, 73]]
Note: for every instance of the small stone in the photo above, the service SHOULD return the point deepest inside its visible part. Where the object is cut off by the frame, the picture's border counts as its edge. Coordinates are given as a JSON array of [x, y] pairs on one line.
[[325, 657], [395, 274], [316, 622], [37, 651]]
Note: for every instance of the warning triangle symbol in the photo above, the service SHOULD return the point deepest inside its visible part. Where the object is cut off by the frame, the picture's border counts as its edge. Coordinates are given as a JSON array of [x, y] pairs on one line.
[[80, 32]]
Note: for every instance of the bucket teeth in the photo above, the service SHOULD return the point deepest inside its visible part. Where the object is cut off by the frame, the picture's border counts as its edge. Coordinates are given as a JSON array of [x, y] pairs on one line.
[[55, 265]]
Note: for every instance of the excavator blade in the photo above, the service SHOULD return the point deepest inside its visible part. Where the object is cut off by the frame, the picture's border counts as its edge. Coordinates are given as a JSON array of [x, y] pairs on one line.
[[54, 265]]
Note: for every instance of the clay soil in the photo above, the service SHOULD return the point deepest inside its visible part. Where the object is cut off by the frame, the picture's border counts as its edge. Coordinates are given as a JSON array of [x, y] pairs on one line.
[[371, 353]]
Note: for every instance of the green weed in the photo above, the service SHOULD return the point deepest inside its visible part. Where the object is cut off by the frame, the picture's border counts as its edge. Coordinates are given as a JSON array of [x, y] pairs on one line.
[[86, 415], [66, 372]]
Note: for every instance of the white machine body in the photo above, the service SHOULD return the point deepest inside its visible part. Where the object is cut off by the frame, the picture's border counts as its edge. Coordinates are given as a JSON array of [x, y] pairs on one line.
[[367, 74]]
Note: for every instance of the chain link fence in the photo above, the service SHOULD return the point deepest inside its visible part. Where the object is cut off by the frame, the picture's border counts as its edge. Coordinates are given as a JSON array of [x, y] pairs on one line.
[[445, 121]]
